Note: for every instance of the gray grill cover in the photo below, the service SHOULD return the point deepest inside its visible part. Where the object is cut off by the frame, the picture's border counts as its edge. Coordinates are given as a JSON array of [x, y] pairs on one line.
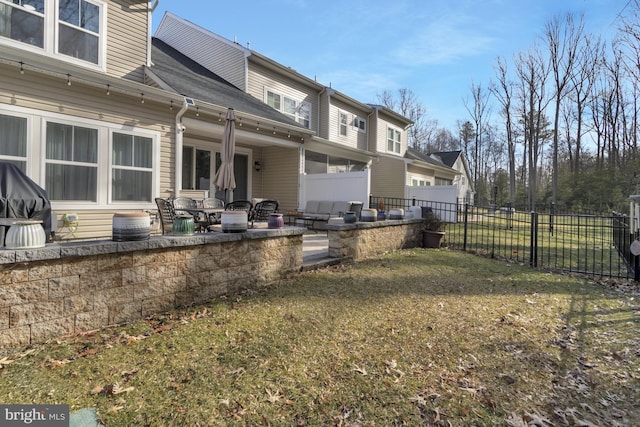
[[20, 197]]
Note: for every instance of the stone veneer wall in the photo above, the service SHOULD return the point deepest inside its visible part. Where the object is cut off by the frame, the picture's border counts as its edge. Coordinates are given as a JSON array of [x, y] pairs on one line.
[[68, 288], [369, 239]]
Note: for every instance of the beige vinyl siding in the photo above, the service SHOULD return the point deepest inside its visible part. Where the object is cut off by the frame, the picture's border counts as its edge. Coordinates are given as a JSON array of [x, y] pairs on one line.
[[426, 174], [42, 93], [383, 125], [388, 177], [127, 30], [282, 185], [261, 78], [354, 138], [209, 50]]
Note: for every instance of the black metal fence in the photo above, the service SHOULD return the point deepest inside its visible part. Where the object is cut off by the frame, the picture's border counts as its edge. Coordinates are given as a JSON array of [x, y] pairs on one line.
[[589, 244]]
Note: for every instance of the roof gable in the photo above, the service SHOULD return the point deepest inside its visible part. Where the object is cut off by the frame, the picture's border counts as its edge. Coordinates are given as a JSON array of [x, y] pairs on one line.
[[189, 78]]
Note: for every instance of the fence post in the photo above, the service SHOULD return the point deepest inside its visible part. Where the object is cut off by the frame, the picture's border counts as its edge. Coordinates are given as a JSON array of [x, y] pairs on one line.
[[533, 249], [466, 222], [552, 213]]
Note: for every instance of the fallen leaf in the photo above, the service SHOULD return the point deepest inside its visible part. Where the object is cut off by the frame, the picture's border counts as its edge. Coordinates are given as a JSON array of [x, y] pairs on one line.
[[360, 370]]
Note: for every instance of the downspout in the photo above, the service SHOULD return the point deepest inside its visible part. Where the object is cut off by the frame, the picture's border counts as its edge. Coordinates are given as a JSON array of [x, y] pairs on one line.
[[177, 185], [150, 26]]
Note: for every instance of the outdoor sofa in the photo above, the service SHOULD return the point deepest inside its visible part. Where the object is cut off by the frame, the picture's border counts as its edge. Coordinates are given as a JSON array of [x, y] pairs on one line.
[[322, 210]]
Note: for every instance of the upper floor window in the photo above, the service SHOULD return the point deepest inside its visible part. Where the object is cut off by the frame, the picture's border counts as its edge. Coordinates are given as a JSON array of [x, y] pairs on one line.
[[394, 140], [359, 124], [343, 121], [300, 111], [73, 28]]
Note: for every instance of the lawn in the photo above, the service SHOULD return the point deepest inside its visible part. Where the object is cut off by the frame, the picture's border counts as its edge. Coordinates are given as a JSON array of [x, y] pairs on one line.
[[418, 337]]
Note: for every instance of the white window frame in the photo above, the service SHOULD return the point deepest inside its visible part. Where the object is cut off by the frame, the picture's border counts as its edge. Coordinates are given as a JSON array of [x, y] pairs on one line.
[[359, 124], [300, 105], [52, 34], [29, 137], [113, 166], [396, 141], [343, 123], [36, 155]]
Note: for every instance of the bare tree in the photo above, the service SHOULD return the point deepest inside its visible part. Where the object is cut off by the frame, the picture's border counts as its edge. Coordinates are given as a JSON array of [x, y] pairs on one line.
[[533, 72], [478, 110], [421, 133], [503, 91], [563, 39]]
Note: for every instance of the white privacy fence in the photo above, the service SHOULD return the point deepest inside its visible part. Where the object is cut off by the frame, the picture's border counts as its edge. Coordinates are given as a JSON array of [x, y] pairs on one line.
[[352, 186]]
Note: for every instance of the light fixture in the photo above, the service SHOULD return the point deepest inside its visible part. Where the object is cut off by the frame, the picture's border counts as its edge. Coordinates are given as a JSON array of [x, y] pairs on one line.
[[68, 79], [141, 98], [240, 121], [108, 89], [274, 130], [257, 166], [258, 126], [21, 67], [219, 117], [197, 111], [288, 134], [171, 105]]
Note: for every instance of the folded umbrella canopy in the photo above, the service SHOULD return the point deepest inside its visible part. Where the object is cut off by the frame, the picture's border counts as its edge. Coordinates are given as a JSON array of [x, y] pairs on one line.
[[225, 178]]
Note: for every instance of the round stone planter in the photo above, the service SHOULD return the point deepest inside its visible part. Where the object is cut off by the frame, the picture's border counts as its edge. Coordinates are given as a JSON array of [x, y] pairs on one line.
[[130, 226], [396, 213], [368, 215], [183, 225], [275, 221], [234, 221]]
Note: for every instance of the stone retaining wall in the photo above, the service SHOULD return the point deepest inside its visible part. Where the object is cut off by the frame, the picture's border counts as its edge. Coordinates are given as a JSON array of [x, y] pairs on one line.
[[69, 288], [369, 239]]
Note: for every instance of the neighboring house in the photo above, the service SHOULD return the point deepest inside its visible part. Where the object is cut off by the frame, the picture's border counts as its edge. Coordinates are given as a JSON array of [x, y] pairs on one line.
[[427, 170], [91, 116], [458, 161]]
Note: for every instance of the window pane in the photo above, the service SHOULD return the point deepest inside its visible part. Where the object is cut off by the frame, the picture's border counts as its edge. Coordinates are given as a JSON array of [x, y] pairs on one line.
[[203, 169], [143, 152], [68, 182], [80, 14], [338, 164], [289, 106], [22, 24], [187, 167], [59, 141], [315, 162], [78, 44], [273, 100], [122, 149], [13, 136], [356, 166], [85, 145], [131, 185]]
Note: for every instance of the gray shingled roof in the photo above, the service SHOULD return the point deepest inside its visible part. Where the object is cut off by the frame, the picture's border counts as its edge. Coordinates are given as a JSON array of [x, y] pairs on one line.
[[448, 157], [417, 155], [192, 80]]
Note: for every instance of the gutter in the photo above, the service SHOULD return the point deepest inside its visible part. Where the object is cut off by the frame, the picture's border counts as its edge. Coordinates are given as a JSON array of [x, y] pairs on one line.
[[177, 185]]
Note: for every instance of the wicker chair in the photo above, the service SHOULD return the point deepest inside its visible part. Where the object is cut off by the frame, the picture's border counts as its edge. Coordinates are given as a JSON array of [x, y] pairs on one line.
[[167, 214], [188, 206], [240, 205], [210, 204], [262, 210]]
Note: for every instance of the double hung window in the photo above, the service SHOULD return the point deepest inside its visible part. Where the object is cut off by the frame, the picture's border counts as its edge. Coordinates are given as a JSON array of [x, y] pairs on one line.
[[394, 140], [74, 29], [300, 111]]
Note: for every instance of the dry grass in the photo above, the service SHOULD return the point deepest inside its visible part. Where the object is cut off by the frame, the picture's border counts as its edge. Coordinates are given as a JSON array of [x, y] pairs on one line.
[[432, 338]]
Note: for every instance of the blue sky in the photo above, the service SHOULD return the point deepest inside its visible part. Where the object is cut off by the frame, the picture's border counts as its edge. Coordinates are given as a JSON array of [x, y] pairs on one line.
[[436, 48]]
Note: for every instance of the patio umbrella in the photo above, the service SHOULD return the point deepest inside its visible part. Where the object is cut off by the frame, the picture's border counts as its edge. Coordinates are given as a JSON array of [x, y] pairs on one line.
[[225, 178]]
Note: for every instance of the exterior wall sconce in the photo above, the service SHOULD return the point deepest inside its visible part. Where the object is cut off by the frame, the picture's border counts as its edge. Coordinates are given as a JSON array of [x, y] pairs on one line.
[[257, 166]]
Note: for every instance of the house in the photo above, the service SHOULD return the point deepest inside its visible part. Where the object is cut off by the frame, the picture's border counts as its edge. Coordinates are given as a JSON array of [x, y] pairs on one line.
[[356, 149], [89, 116], [426, 172], [458, 161], [336, 159]]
